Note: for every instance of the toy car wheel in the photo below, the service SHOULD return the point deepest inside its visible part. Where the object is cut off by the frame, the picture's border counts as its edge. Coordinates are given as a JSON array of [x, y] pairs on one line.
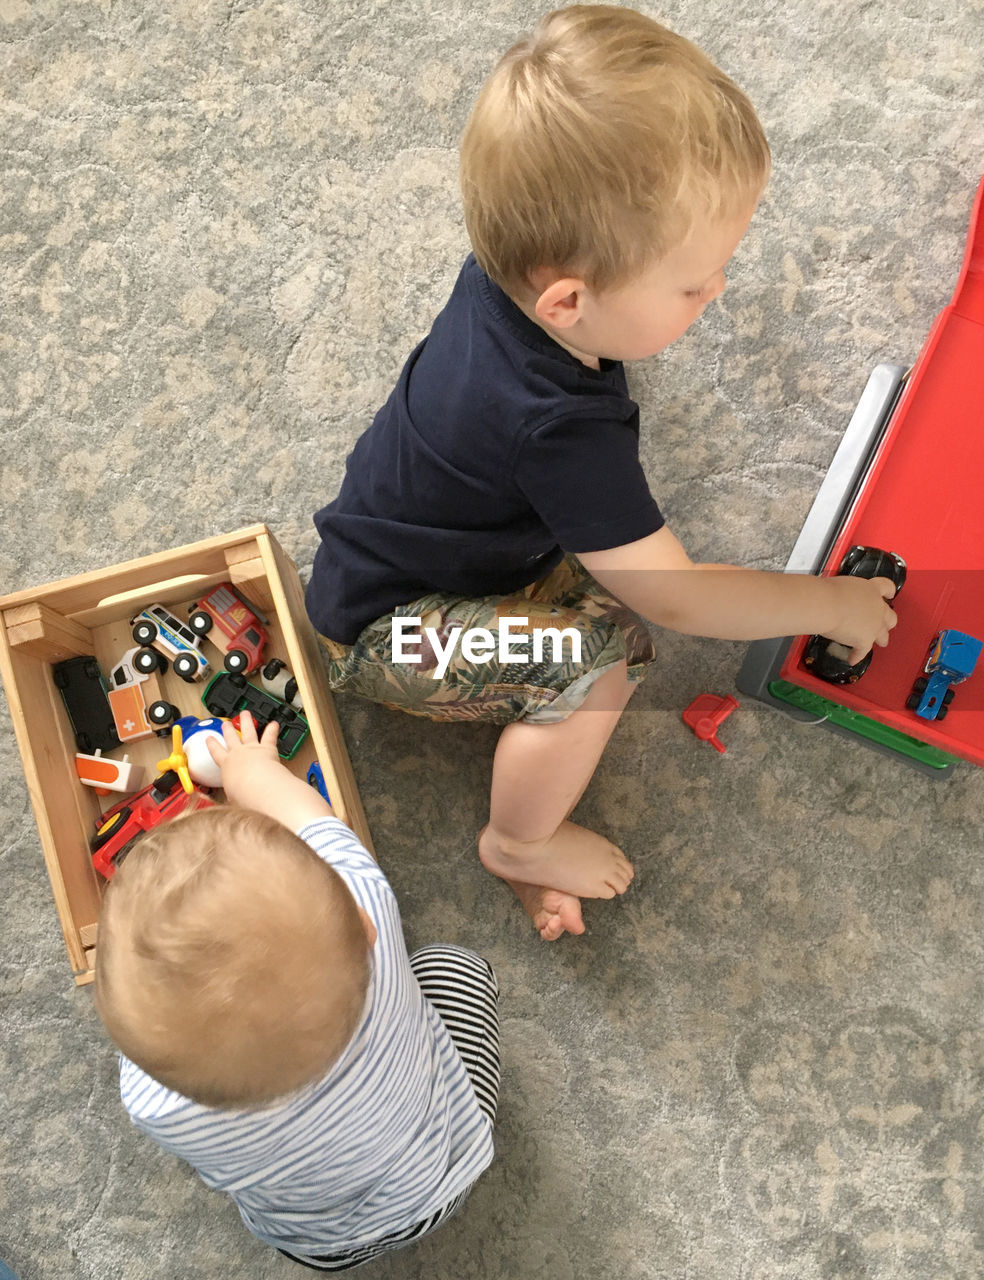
[[146, 661], [236, 660], [272, 669], [186, 666], [144, 632], [919, 685], [200, 622], [166, 782], [943, 712], [108, 828], [162, 713], [949, 696], [912, 701]]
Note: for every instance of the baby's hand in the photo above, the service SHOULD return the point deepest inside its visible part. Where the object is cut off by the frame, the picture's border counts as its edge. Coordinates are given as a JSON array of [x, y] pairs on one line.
[[863, 616], [246, 761], [254, 776]]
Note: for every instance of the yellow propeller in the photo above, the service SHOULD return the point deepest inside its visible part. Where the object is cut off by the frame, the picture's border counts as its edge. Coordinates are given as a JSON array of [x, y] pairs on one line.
[[177, 760]]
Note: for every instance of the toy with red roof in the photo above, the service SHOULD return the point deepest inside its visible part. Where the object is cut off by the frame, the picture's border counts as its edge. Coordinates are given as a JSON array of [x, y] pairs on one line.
[[233, 625]]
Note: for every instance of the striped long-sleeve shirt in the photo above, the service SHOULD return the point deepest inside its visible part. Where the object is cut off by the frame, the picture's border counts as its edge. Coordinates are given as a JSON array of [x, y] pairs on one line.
[[390, 1135]]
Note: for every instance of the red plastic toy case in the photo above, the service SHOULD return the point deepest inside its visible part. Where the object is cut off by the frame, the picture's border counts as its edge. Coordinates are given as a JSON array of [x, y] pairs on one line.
[[923, 498]]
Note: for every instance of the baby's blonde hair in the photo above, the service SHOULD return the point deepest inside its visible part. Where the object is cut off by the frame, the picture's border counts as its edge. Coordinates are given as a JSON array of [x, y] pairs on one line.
[[595, 142], [232, 964]]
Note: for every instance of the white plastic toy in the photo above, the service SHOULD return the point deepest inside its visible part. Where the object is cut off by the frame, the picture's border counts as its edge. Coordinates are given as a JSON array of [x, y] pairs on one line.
[[106, 775], [190, 757]]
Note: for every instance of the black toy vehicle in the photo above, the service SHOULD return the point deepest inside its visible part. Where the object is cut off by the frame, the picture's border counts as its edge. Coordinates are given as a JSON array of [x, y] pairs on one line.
[[827, 659], [83, 690], [228, 693]]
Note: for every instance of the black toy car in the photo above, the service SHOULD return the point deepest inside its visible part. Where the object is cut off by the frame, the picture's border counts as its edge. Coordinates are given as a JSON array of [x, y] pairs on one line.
[[827, 659], [83, 690], [228, 693]]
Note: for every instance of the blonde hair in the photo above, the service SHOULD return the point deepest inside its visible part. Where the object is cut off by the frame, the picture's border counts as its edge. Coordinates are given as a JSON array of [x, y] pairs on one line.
[[594, 143], [232, 964]]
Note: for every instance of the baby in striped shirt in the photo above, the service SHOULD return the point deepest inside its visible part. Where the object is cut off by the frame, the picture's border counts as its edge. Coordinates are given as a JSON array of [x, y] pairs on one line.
[[275, 1033]]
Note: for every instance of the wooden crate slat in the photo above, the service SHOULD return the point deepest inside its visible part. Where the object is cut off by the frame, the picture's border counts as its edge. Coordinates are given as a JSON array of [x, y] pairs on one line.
[[48, 754], [247, 571], [37, 630], [81, 594], [305, 662]]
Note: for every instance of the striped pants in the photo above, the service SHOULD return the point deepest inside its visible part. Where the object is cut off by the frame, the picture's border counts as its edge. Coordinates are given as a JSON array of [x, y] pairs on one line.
[[462, 988]]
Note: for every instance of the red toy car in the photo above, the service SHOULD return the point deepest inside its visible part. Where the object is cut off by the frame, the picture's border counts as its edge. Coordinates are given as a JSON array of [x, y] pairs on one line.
[[242, 628], [119, 826]]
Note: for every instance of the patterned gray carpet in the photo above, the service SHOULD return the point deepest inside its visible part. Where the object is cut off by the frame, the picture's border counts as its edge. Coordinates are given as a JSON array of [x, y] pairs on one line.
[[222, 227]]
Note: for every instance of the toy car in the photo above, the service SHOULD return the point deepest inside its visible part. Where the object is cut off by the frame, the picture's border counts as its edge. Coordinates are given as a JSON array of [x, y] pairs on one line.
[[155, 626], [316, 779], [233, 625], [105, 774], [145, 661], [83, 690], [227, 694], [952, 658], [120, 826], [132, 683], [276, 678], [828, 659]]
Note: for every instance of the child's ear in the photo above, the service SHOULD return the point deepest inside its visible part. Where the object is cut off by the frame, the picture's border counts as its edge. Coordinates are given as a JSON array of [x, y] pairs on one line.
[[560, 303]]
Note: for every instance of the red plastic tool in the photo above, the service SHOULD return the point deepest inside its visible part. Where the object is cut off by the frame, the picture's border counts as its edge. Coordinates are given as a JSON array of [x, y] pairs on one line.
[[704, 715]]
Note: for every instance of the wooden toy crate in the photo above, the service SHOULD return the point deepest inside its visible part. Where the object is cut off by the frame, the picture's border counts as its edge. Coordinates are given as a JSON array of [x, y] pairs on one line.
[[90, 614]]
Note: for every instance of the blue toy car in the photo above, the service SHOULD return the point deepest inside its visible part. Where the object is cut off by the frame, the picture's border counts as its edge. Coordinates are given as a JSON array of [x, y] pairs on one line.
[[952, 658], [316, 779]]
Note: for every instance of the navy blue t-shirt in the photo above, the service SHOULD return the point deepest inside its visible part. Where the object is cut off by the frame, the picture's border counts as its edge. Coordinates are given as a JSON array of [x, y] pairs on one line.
[[497, 452]]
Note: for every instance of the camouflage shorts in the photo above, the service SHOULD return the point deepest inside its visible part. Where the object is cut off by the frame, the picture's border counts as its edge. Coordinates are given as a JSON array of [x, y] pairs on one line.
[[542, 686]]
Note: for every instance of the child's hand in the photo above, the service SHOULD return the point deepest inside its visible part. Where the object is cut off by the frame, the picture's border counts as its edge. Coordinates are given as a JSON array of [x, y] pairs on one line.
[[248, 763], [254, 776], [863, 616]]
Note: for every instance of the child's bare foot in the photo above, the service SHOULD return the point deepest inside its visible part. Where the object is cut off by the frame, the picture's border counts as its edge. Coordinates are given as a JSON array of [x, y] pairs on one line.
[[551, 911], [573, 860]]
